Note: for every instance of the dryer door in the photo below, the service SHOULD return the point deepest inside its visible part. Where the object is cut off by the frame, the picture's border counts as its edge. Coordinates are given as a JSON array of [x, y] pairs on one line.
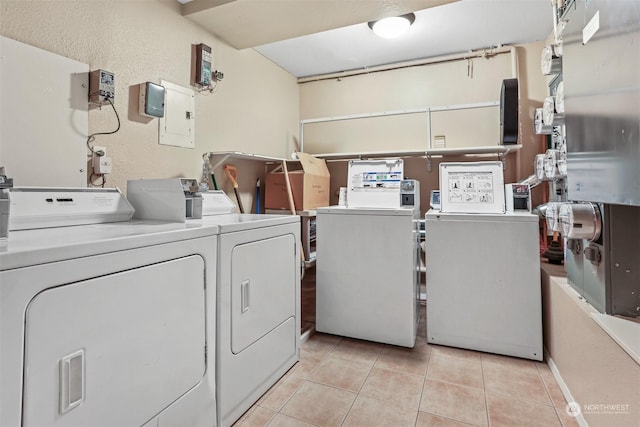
[[263, 288], [116, 349]]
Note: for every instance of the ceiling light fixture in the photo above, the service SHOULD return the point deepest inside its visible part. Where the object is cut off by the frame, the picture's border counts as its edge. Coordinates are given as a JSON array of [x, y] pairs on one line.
[[394, 26]]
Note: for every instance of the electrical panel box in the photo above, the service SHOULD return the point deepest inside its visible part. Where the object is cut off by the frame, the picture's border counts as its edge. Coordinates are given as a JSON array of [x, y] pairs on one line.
[[151, 103], [101, 86], [203, 65], [177, 127]]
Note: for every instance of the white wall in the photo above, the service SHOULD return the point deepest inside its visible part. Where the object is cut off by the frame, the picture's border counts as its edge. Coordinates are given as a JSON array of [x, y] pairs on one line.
[[255, 108]]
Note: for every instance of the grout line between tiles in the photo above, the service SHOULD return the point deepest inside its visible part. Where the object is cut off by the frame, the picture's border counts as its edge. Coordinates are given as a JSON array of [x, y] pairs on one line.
[[360, 388], [484, 390], [547, 388], [330, 353], [298, 419]]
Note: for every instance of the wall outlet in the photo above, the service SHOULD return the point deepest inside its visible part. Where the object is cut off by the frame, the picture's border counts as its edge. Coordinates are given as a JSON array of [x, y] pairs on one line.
[[100, 162], [102, 165]]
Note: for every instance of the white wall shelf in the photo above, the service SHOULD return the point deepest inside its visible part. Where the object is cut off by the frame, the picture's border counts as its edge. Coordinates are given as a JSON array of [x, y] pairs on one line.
[[222, 156], [499, 150]]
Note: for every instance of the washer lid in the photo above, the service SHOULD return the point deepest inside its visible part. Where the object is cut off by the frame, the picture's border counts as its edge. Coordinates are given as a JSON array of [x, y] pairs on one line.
[[343, 210], [239, 222]]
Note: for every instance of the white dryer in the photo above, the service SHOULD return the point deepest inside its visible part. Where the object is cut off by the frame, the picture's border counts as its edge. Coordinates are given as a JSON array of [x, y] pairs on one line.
[[258, 289], [258, 316], [105, 324]]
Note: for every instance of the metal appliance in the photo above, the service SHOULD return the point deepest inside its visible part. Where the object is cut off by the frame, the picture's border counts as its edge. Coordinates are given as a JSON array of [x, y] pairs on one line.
[[104, 323], [484, 299], [410, 193], [518, 197], [257, 331], [367, 268], [602, 117], [367, 273], [603, 273], [601, 100]]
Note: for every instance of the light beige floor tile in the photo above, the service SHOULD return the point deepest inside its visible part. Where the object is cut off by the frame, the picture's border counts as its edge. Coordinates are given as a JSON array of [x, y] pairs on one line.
[[256, 416], [320, 343], [460, 403], [409, 363], [460, 353], [280, 393], [394, 387], [555, 393], [422, 338], [309, 360], [283, 421], [341, 373], [357, 350], [462, 371], [514, 365], [516, 381], [372, 413], [319, 404], [429, 420], [505, 412], [422, 330], [420, 350]]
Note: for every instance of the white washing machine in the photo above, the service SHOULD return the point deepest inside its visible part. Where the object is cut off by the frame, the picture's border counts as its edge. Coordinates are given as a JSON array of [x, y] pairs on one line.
[[105, 324], [367, 273], [483, 282], [258, 288]]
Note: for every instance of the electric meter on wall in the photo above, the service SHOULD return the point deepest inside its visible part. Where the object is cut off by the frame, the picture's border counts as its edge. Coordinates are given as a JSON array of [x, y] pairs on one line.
[[102, 86], [550, 63]]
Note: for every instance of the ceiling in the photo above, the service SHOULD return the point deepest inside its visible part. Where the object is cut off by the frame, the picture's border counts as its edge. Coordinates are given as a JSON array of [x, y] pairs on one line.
[[315, 37]]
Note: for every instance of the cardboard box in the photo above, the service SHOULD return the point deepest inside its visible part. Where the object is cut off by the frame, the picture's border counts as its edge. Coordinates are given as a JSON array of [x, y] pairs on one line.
[[309, 177]]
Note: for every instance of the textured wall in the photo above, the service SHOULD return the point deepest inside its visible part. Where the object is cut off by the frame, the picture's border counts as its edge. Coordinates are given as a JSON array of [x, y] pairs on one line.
[[255, 107], [429, 85]]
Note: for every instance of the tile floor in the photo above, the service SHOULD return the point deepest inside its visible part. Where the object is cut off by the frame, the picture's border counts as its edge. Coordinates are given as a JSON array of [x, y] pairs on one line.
[[354, 383], [348, 382]]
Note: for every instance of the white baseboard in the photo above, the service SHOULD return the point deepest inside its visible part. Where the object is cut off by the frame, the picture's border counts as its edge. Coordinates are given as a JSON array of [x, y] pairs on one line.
[[563, 387]]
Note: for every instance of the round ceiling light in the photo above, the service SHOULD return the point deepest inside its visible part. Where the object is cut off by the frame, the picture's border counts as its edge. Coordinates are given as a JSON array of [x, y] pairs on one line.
[[394, 26]]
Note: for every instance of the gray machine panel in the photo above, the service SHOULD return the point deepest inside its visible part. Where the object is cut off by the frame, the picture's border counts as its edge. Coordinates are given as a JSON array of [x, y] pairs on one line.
[[624, 229], [484, 296], [574, 263], [366, 274], [602, 101]]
